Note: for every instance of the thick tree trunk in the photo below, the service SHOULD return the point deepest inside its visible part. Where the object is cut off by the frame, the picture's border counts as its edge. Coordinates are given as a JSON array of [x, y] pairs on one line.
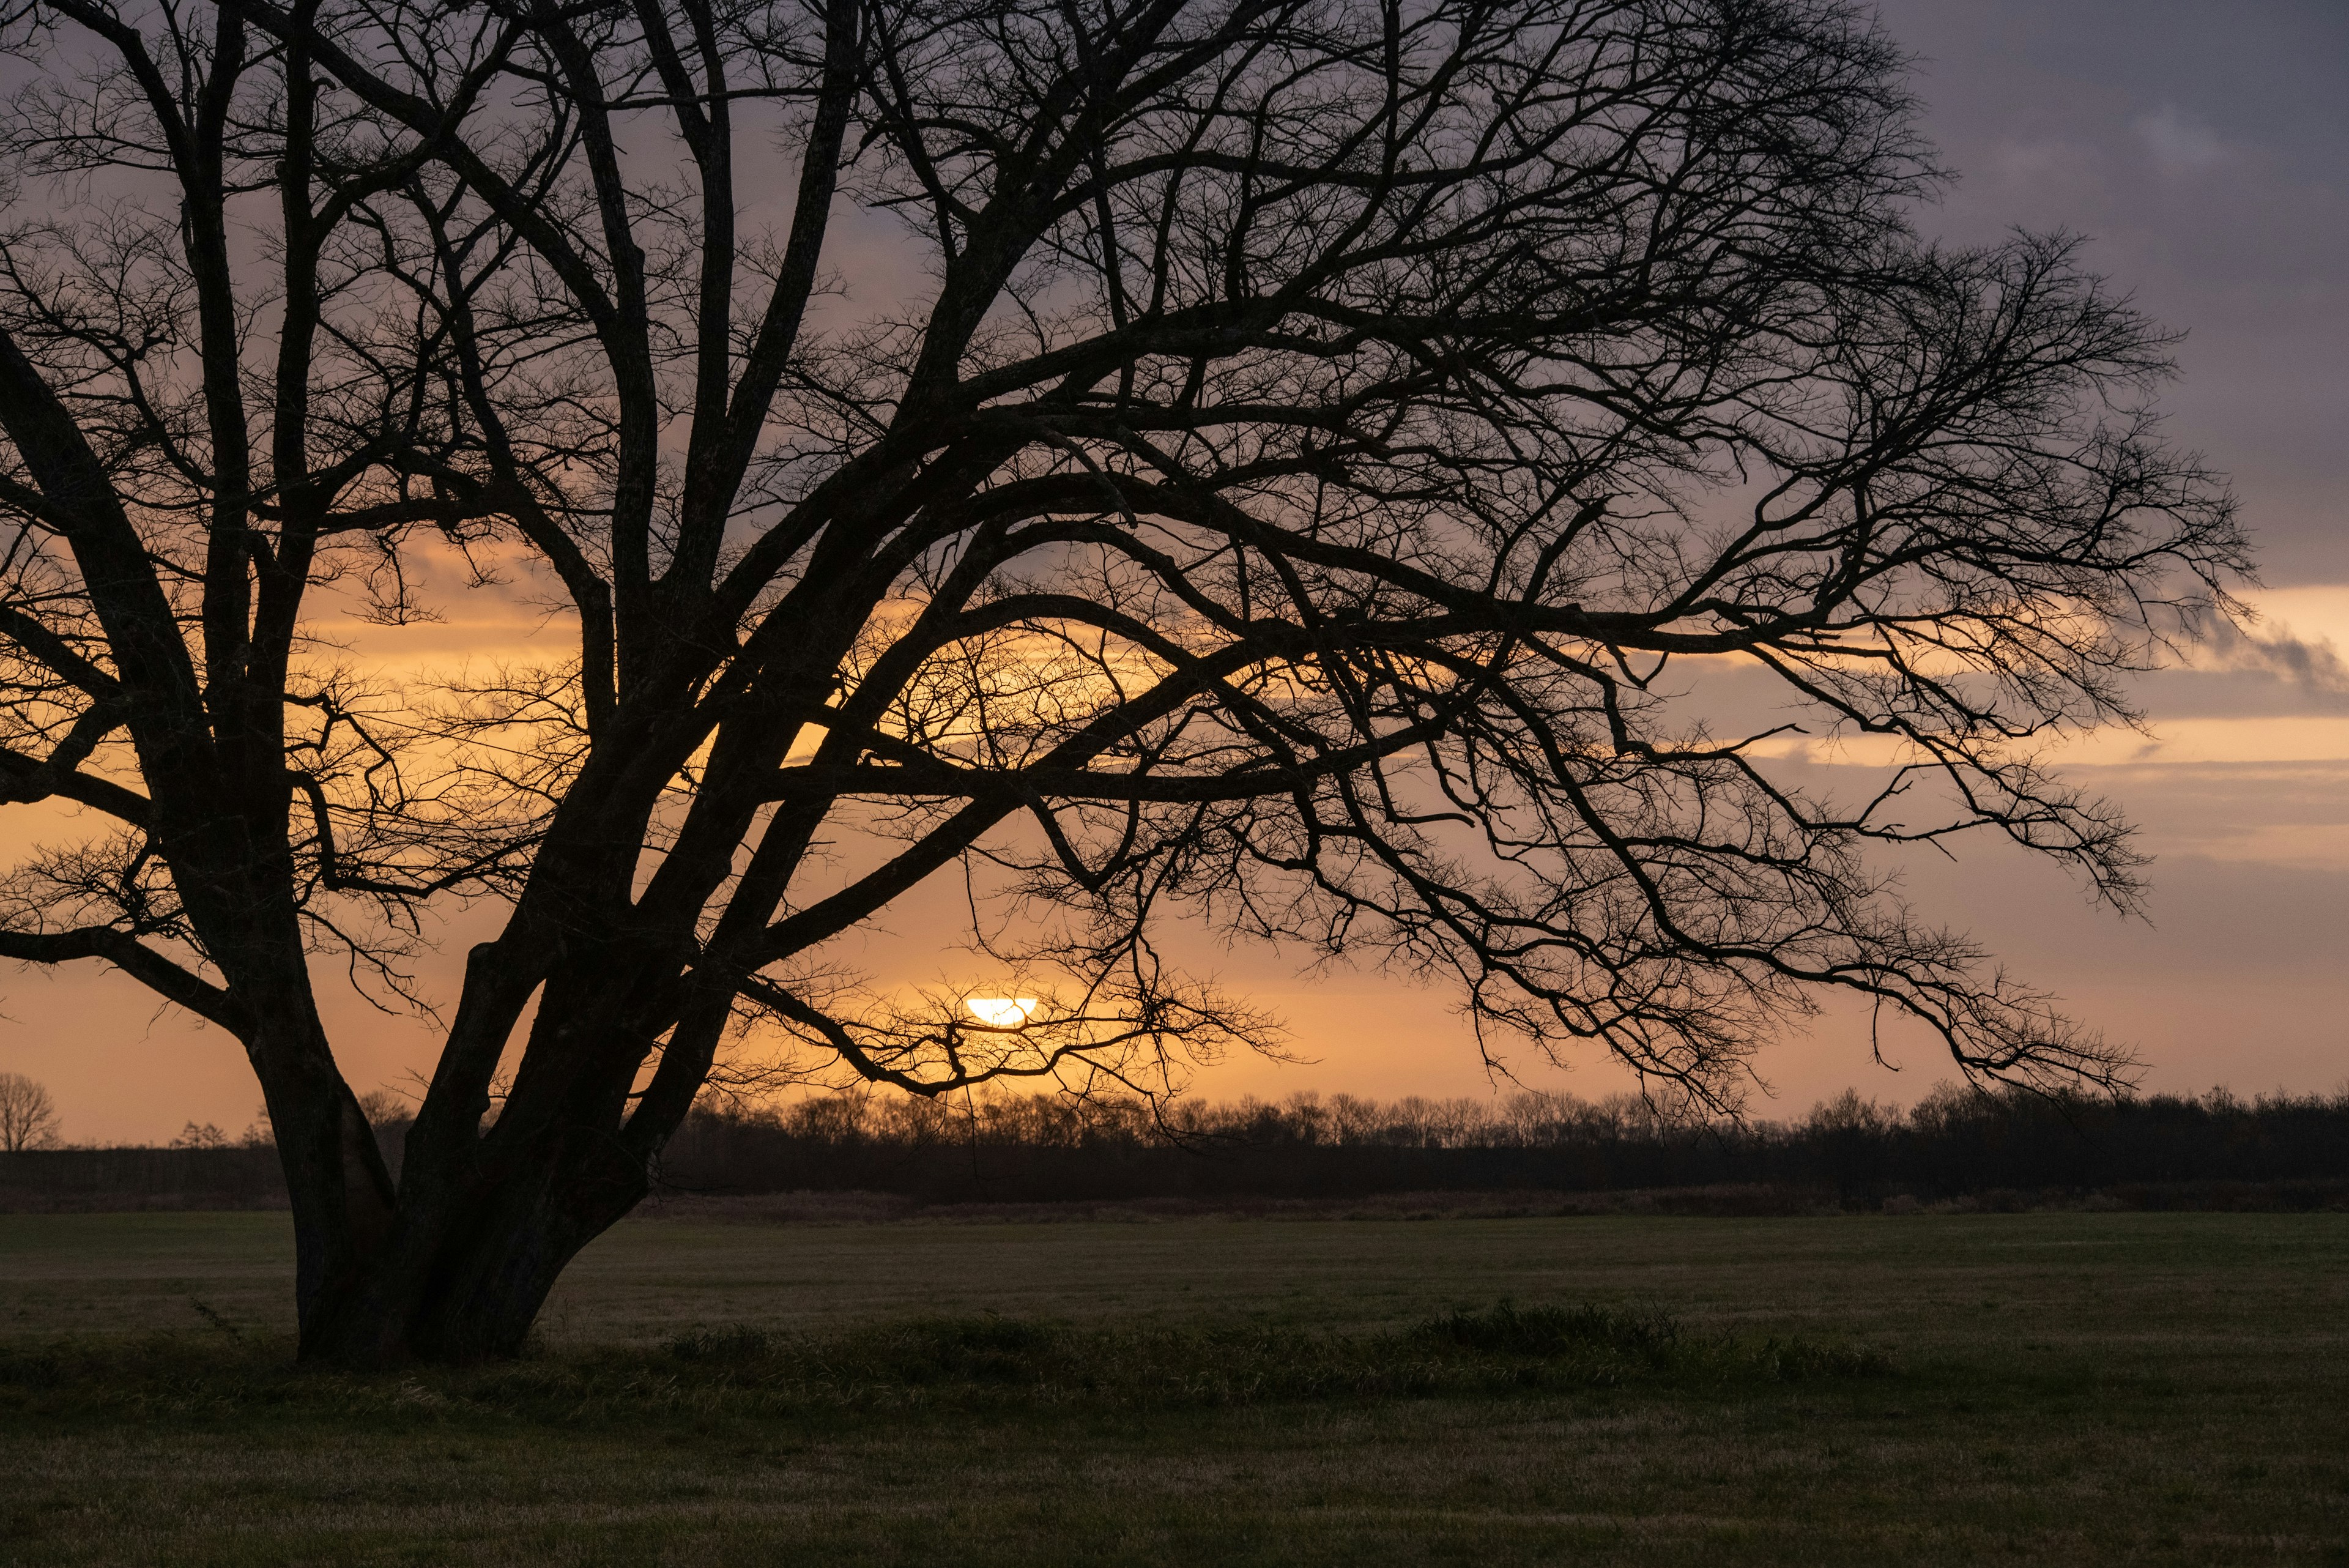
[[484, 1223], [340, 1190], [469, 1284]]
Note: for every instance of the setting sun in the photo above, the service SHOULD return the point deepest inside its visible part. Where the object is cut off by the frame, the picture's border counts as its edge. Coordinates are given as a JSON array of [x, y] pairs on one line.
[[1003, 1011]]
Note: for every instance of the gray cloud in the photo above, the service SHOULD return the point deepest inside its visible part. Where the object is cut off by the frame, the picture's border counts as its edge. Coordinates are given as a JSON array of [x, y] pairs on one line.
[[2313, 668], [2205, 152], [2178, 141]]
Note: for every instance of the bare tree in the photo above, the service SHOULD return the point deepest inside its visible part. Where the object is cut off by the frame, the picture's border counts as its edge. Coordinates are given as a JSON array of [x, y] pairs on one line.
[[1328, 451], [200, 1135], [29, 1117]]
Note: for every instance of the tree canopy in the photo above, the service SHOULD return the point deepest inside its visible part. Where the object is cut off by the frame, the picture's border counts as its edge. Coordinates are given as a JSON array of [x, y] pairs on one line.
[[1291, 462]]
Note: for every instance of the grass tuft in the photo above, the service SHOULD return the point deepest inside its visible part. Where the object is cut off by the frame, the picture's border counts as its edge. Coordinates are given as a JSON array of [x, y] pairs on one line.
[[1502, 1347], [982, 1361], [1507, 1329], [1606, 1342]]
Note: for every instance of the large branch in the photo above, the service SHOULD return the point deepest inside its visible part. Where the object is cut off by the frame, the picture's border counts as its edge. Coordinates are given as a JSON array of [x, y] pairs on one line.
[[135, 959], [25, 780], [164, 711], [725, 457]]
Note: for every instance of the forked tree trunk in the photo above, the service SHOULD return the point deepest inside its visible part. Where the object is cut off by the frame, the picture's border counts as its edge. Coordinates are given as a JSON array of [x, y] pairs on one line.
[[465, 1279], [457, 1264]]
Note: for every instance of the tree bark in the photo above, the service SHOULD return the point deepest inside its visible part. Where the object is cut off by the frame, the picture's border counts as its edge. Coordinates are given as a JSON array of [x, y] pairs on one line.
[[340, 1190], [467, 1283]]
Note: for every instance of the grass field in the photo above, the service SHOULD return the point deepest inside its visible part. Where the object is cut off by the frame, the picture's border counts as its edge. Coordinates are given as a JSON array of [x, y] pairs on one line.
[[2036, 1388]]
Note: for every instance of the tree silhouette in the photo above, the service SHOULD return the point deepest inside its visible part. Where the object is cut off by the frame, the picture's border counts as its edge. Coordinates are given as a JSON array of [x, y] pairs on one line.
[[1323, 453], [29, 1117]]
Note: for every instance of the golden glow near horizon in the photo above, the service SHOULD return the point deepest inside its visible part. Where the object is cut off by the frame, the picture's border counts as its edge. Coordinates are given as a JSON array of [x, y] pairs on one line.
[[1003, 1011]]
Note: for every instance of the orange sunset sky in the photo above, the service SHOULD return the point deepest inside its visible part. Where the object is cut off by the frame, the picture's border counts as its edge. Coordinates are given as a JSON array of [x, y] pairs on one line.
[[2205, 149]]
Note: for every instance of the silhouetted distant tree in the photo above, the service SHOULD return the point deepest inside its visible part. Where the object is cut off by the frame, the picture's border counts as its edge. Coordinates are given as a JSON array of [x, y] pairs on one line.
[[29, 1117], [1322, 443]]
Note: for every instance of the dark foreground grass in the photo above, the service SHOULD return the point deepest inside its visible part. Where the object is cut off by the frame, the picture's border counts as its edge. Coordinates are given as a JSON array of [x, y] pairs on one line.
[[2032, 1389], [980, 1364]]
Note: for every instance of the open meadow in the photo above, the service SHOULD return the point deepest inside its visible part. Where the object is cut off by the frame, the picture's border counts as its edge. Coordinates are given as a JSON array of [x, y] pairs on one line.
[[2049, 1388]]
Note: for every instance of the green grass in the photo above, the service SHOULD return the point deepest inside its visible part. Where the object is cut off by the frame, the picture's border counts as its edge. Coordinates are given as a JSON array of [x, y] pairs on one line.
[[2031, 1389]]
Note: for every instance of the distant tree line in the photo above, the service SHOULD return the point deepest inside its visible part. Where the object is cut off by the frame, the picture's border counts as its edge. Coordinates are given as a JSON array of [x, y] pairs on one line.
[[1849, 1151], [1982, 1149]]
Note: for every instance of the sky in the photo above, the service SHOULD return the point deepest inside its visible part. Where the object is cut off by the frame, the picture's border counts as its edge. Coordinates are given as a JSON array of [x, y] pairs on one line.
[[2203, 149]]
